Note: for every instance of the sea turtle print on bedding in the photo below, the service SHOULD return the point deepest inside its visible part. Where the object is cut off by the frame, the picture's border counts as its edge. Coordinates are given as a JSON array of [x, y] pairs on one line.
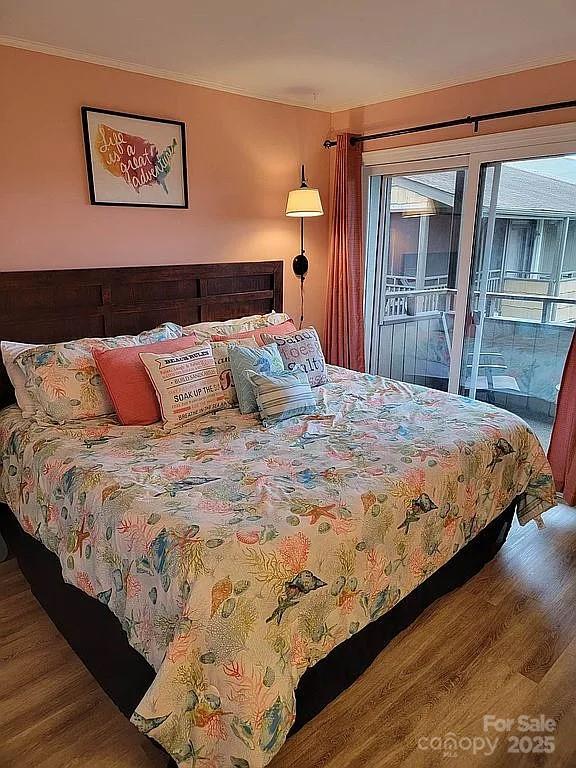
[[236, 556]]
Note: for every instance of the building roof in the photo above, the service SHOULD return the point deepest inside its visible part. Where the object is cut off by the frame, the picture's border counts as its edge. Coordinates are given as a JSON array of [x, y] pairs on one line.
[[520, 192]]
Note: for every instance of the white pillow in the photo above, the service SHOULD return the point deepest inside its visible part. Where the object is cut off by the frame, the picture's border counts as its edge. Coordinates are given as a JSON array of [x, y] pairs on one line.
[[228, 327], [186, 382], [221, 354], [10, 351]]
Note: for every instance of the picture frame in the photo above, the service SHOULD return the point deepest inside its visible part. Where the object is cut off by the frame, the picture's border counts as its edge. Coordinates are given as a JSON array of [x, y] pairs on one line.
[[135, 160]]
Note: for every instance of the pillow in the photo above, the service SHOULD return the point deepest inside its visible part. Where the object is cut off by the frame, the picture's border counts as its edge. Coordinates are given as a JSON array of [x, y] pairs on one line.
[[262, 360], [204, 331], [221, 353], [128, 383], [282, 395], [186, 383], [301, 348], [10, 351], [63, 381], [257, 333], [160, 333]]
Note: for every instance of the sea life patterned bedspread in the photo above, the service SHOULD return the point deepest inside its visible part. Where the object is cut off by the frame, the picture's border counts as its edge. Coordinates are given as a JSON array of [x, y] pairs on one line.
[[237, 556]]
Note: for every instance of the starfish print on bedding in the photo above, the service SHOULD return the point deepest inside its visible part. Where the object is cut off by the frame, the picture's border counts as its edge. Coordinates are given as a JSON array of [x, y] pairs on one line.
[[316, 512], [77, 539]]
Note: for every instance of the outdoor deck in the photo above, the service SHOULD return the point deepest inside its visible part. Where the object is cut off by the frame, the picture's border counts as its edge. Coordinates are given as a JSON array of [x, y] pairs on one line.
[[521, 358]]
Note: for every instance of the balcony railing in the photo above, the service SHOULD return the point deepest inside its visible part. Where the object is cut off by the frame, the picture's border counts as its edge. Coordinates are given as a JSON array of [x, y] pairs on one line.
[[548, 310], [408, 282], [403, 305], [497, 278], [406, 304]]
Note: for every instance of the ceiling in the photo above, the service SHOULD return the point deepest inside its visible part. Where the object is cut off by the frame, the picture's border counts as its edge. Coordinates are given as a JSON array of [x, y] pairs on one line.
[[327, 54]]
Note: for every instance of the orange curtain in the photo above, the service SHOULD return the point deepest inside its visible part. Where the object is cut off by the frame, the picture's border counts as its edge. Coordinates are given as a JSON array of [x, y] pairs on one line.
[[344, 306], [562, 453]]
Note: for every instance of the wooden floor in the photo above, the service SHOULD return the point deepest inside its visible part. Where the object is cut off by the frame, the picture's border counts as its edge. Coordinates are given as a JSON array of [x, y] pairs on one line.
[[504, 644]]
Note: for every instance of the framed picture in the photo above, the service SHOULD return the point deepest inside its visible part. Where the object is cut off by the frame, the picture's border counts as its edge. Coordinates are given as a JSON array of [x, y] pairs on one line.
[[135, 160]]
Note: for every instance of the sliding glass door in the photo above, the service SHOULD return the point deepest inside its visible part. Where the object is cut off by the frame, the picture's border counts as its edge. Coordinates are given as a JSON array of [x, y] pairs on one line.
[[471, 276], [521, 309], [412, 263]]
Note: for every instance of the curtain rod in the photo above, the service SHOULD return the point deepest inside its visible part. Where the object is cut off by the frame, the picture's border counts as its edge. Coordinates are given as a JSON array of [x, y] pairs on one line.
[[474, 120]]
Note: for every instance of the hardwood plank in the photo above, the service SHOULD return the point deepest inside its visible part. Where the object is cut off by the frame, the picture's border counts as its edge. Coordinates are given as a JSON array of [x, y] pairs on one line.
[[503, 644]]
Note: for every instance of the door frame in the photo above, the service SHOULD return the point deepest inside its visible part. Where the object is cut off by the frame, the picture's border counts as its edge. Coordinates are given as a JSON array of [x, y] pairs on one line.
[[470, 153]]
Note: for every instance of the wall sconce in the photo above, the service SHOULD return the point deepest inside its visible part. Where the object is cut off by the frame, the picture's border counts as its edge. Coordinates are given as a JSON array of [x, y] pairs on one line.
[[302, 203]]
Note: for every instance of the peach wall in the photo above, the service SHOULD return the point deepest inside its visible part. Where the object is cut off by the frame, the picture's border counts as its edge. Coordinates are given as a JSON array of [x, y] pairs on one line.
[[522, 89], [243, 157]]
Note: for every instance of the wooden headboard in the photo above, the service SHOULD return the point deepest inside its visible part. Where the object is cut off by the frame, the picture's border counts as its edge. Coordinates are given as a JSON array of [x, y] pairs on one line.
[[60, 305]]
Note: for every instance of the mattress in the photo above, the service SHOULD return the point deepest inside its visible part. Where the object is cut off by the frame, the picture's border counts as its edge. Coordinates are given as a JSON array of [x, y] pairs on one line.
[[235, 557]]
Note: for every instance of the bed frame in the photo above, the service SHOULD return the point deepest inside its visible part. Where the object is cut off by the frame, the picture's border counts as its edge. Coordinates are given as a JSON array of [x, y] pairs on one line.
[[43, 307]]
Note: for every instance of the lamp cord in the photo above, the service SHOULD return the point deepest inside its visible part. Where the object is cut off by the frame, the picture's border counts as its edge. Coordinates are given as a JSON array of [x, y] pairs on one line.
[[302, 276]]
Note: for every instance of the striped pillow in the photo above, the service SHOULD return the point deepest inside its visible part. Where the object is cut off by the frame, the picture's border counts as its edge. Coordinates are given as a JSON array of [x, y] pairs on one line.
[[186, 382], [282, 395]]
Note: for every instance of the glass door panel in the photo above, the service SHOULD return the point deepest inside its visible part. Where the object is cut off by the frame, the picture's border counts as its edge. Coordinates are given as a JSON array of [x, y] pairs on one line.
[[522, 295], [411, 266]]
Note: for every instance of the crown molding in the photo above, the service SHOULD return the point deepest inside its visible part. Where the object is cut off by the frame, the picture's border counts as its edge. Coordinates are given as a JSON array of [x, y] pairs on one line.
[[488, 74], [141, 69], [181, 77]]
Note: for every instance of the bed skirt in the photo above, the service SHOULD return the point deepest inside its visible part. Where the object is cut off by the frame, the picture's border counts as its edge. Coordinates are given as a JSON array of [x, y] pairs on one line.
[[97, 638]]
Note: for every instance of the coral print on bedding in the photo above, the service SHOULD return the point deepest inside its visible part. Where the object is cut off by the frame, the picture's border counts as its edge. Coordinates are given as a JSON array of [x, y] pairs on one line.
[[236, 556]]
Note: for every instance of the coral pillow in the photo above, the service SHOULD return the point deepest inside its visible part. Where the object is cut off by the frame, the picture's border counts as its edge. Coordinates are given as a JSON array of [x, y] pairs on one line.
[[128, 383], [278, 330]]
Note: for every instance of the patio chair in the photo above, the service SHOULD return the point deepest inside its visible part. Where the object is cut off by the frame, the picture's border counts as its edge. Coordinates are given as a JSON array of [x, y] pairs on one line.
[[491, 375], [491, 370]]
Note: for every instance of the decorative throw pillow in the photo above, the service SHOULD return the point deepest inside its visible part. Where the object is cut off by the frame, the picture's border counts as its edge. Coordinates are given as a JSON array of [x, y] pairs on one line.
[[262, 360], [221, 353], [10, 351], [186, 382], [204, 331], [301, 348], [256, 333], [128, 383], [63, 381], [282, 395]]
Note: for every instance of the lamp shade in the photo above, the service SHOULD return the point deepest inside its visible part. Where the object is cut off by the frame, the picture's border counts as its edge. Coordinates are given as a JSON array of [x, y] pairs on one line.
[[304, 202]]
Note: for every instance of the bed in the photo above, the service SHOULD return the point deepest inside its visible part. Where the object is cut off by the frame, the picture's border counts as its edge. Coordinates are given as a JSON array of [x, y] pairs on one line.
[[253, 573]]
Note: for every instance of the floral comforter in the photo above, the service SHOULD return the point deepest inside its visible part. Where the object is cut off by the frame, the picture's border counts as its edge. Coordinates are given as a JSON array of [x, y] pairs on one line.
[[236, 556]]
